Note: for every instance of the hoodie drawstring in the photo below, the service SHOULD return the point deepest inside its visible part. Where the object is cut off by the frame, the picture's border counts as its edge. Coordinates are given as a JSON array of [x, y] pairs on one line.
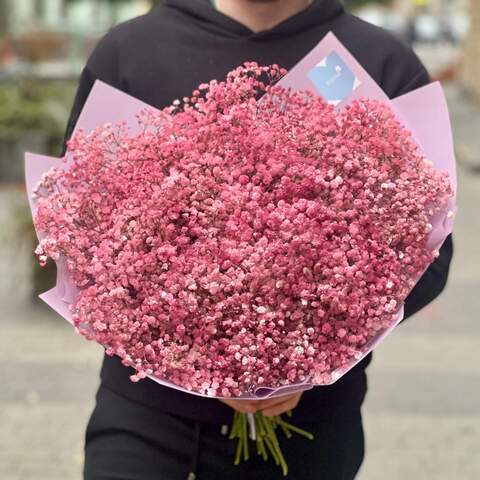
[[195, 452]]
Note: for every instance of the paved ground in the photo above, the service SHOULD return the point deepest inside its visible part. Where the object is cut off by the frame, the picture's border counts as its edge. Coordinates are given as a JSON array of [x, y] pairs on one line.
[[422, 414]]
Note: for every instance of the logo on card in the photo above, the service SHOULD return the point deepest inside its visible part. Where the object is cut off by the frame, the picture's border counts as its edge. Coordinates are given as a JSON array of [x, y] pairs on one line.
[[333, 80]]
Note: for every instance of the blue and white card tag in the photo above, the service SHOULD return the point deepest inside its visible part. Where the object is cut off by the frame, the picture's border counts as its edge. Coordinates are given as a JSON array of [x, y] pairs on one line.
[[332, 79]]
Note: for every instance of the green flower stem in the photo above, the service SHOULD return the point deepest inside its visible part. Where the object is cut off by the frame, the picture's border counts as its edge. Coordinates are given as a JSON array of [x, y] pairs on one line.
[[261, 448], [259, 425], [272, 449], [236, 426], [260, 434], [238, 453], [272, 436], [285, 430], [245, 438], [295, 429], [266, 437], [234, 429]]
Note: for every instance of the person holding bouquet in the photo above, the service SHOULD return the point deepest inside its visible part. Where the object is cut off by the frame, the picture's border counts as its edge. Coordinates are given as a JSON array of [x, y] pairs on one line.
[[145, 431]]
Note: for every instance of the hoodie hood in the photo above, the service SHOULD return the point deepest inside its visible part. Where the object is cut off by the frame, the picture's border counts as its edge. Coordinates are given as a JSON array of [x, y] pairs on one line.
[[203, 13]]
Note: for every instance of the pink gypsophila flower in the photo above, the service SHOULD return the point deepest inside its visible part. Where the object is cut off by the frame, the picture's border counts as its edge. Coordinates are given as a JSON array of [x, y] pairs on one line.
[[236, 241]]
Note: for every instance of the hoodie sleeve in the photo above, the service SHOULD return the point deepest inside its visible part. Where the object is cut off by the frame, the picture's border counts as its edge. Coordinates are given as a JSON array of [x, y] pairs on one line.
[[103, 65], [433, 281]]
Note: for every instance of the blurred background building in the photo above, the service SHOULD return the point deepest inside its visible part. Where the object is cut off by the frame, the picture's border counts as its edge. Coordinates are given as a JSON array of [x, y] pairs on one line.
[[423, 413], [51, 38], [44, 44]]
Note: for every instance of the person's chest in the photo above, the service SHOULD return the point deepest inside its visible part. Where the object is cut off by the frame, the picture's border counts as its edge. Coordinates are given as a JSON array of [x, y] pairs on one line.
[[171, 64]]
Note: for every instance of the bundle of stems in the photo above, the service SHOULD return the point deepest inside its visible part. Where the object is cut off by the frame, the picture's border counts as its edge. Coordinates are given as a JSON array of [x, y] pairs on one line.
[[266, 436]]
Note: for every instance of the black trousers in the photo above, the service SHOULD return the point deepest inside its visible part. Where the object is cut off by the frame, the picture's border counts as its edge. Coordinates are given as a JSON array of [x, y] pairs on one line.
[[128, 441]]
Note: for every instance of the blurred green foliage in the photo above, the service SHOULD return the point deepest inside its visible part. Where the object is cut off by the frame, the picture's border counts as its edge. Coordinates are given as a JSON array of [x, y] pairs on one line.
[[28, 108], [353, 4], [20, 114], [18, 235], [32, 106]]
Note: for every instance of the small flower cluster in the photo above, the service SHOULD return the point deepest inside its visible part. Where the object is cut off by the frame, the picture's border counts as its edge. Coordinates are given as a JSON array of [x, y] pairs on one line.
[[246, 236]]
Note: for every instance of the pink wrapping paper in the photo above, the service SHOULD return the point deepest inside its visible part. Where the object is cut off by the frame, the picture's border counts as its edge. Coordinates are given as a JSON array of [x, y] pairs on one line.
[[423, 111]]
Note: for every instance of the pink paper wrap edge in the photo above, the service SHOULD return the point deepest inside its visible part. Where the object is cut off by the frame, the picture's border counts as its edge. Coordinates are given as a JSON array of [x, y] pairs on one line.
[[424, 111]]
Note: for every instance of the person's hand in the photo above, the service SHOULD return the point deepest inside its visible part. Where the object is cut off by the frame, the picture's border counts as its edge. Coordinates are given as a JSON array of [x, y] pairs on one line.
[[268, 407]]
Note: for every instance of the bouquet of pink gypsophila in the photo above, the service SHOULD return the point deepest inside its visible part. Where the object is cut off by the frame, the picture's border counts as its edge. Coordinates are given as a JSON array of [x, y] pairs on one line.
[[246, 237]]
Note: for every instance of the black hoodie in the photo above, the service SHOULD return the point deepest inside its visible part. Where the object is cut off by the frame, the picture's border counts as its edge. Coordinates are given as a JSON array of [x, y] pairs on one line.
[[165, 54]]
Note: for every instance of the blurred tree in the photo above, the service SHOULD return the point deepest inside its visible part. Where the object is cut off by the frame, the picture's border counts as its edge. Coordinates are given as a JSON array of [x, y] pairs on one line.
[[4, 10], [19, 234], [352, 4], [22, 112], [32, 118]]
